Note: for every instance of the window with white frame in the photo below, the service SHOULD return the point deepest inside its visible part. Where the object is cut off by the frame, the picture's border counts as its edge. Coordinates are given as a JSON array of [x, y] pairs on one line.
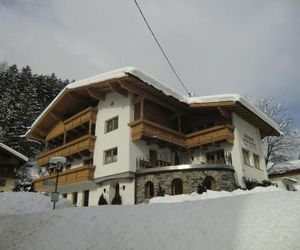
[[110, 155], [256, 161], [246, 157], [111, 124]]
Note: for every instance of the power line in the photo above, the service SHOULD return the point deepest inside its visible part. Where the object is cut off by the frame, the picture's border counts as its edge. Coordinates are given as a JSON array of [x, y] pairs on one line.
[[160, 47]]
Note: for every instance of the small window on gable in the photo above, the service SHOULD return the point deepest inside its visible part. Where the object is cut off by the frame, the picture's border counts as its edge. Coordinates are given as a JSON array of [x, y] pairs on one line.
[[111, 124], [246, 157], [256, 161], [110, 155]]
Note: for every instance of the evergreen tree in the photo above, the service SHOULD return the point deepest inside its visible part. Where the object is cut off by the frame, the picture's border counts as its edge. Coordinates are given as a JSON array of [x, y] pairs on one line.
[[25, 175], [23, 96]]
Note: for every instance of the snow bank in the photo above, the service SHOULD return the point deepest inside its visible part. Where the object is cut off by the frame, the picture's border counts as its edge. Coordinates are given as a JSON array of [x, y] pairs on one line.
[[13, 203], [268, 221], [210, 195]]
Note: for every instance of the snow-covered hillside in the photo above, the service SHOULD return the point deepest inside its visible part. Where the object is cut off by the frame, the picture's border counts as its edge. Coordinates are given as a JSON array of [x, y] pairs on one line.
[[255, 221], [13, 203]]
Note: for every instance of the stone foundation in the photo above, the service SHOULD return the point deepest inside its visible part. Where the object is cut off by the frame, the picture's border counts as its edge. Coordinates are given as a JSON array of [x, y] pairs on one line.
[[224, 180]]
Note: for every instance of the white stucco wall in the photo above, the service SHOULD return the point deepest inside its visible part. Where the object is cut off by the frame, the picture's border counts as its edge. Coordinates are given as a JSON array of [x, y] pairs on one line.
[[242, 129], [114, 105]]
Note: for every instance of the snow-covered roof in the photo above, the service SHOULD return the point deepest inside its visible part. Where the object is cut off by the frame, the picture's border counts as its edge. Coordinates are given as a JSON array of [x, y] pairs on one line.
[[290, 179], [127, 71], [285, 167], [235, 98], [14, 152]]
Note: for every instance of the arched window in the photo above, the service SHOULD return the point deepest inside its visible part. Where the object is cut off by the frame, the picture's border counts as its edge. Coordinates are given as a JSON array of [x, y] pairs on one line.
[[177, 186], [149, 189], [209, 183]]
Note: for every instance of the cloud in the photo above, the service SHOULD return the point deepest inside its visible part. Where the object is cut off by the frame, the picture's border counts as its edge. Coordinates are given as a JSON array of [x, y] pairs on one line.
[[246, 47]]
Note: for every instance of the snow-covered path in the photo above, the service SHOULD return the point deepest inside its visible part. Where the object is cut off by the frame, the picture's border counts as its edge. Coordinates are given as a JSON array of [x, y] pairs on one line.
[[255, 221]]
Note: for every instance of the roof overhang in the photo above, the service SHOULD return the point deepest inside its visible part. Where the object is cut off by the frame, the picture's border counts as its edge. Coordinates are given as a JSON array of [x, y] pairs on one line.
[[91, 90], [22, 158]]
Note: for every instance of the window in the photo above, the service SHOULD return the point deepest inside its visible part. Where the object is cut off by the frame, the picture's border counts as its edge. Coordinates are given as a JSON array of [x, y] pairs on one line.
[[111, 124], [74, 200], [256, 161], [177, 186], [110, 155], [2, 182], [86, 198], [209, 182], [149, 189], [215, 157], [246, 157], [152, 156], [88, 161]]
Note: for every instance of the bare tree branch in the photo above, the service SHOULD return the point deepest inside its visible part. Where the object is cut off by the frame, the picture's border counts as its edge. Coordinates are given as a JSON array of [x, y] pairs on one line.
[[279, 149]]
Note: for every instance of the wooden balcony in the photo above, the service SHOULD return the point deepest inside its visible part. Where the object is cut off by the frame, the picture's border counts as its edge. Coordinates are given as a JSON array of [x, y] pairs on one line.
[[146, 129], [87, 115], [214, 134], [84, 143], [72, 176]]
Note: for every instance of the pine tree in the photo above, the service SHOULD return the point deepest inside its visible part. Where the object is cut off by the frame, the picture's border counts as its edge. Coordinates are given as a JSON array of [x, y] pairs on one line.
[[23, 96]]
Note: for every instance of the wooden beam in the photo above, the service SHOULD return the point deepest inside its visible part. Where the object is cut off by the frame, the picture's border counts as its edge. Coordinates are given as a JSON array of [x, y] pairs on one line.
[[213, 104], [224, 113], [138, 99], [96, 94], [130, 87], [56, 117], [116, 87], [79, 98]]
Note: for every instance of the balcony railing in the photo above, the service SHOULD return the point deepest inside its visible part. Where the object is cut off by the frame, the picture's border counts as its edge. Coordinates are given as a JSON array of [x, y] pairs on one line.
[[80, 118], [153, 130], [210, 135], [144, 128], [83, 143], [181, 158], [76, 175]]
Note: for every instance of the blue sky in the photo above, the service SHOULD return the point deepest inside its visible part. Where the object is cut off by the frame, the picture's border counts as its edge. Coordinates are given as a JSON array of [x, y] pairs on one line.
[[246, 47]]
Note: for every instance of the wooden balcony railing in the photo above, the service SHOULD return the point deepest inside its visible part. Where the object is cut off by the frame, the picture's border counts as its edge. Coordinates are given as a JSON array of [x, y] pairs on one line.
[[83, 143], [140, 128], [144, 128], [210, 135], [87, 115], [76, 175]]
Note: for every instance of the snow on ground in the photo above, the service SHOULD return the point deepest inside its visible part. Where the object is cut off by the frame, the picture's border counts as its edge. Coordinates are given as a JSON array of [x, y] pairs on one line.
[[269, 220], [13, 203], [210, 195]]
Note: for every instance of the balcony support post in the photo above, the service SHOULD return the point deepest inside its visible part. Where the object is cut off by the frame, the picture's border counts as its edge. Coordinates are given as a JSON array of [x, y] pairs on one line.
[[142, 108]]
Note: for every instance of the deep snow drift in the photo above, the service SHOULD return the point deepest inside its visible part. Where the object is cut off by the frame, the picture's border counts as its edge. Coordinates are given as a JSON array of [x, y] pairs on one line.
[[13, 203], [269, 220]]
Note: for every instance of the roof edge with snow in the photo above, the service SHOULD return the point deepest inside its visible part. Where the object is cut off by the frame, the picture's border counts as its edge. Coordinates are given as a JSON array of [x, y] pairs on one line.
[[126, 71], [14, 152]]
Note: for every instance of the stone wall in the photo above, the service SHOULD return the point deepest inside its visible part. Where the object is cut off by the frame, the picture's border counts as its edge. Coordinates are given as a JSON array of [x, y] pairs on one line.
[[224, 180]]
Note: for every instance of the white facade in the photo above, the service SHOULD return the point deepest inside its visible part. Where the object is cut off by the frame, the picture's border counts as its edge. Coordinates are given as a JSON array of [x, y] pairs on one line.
[[247, 137]]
